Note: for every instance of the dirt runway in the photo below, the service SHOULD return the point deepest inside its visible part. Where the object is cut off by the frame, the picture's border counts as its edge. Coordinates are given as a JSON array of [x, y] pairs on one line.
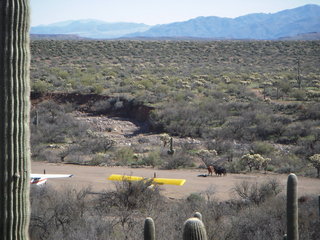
[[96, 177]]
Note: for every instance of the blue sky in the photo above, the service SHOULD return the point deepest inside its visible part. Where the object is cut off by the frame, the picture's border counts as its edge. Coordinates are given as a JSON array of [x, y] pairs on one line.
[[152, 12]]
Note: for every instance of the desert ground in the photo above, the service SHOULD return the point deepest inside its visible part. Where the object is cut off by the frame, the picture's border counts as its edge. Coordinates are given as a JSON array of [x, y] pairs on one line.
[[96, 177]]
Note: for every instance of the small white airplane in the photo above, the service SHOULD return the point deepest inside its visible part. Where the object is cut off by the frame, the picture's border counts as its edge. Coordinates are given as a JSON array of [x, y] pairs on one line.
[[39, 179]]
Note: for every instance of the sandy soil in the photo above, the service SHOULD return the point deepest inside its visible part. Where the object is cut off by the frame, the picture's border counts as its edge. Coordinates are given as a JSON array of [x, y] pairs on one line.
[[96, 177]]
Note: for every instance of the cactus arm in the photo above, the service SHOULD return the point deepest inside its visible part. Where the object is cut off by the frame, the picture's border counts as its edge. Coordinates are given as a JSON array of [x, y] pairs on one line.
[[198, 215]]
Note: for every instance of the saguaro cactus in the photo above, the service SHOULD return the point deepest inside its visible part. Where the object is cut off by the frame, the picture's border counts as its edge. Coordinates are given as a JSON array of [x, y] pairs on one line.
[[319, 204], [14, 119], [198, 215], [292, 208], [171, 150], [149, 231], [194, 229]]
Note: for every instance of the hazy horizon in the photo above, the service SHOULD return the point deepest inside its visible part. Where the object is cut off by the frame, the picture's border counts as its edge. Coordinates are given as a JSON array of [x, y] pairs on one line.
[[150, 12]]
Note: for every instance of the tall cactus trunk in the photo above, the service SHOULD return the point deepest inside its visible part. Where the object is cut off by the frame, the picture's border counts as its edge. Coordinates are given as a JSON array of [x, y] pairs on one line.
[[319, 204], [14, 119], [292, 208]]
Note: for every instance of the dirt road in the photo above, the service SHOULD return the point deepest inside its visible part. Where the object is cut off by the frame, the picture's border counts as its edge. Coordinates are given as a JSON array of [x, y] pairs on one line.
[[96, 177]]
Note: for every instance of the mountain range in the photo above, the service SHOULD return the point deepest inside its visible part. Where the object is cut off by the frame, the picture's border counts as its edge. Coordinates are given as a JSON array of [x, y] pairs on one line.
[[281, 25], [90, 28]]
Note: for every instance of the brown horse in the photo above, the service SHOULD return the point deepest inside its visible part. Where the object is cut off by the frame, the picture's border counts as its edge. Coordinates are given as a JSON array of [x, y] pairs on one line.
[[210, 170]]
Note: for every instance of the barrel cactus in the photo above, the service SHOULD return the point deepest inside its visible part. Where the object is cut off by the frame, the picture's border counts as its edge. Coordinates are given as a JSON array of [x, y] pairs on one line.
[[14, 123], [149, 232], [292, 208], [194, 229]]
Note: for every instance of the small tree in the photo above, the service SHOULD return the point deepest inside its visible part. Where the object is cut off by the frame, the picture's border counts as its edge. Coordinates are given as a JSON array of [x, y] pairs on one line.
[[254, 161], [165, 138], [315, 161], [207, 156]]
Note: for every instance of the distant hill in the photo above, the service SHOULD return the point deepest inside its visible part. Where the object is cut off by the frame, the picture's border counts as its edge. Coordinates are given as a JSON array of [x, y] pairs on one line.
[[304, 36], [253, 26], [56, 37], [90, 28], [285, 24]]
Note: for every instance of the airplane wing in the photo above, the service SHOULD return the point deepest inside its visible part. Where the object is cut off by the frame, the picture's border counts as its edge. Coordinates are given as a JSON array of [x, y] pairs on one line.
[[50, 175], [178, 182], [116, 177]]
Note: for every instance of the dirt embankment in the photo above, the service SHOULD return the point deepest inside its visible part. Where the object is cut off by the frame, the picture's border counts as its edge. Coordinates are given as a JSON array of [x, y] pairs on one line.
[[119, 107]]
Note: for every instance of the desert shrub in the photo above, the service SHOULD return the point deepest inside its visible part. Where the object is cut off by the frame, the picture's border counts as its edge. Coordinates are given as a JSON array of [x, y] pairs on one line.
[[311, 111], [46, 154], [287, 163], [298, 130], [222, 146], [262, 148], [309, 145], [266, 221], [127, 204], [77, 157], [99, 159], [195, 198], [96, 144], [299, 94], [52, 124], [235, 166], [39, 86], [189, 119], [129, 196], [257, 193], [309, 217], [153, 159], [63, 214], [102, 106], [124, 156], [180, 159]]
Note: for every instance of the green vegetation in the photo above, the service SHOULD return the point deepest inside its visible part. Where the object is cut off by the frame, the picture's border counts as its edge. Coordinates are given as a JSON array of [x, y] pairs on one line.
[[261, 95], [160, 71]]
